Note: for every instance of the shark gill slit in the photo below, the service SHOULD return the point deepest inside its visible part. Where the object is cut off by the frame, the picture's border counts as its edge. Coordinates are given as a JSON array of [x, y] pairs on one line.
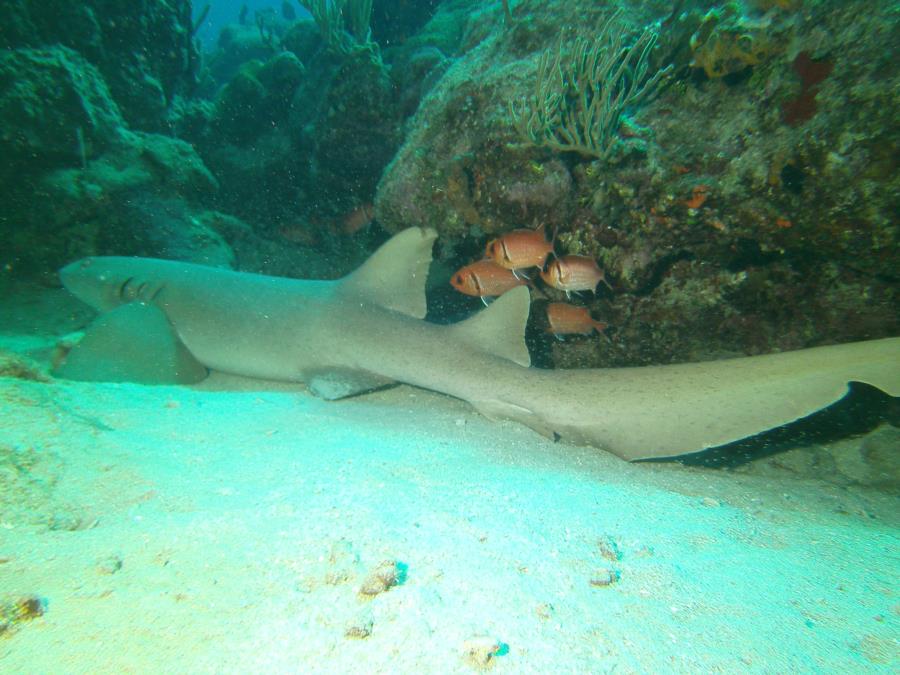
[[123, 289]]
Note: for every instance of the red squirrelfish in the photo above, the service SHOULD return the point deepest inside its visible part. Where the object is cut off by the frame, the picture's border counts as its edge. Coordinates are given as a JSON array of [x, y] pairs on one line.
[[484, 279], [574, 273], [357, 219], [520, 249], [565, 319]]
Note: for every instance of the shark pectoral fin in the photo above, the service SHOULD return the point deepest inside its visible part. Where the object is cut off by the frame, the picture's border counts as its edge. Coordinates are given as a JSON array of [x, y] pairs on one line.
[[132, 343], [338, 383], [500, 329], [395, 275]]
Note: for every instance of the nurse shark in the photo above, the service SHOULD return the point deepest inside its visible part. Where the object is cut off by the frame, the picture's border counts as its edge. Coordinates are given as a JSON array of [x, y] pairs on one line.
[[166, 321]]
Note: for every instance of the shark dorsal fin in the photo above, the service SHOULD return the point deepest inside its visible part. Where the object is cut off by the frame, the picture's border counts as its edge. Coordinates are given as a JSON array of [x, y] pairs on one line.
[[500, 329], [394, 276]]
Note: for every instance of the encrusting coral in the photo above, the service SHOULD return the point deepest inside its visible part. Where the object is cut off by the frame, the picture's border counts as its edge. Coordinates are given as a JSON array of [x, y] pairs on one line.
[[727, 42]]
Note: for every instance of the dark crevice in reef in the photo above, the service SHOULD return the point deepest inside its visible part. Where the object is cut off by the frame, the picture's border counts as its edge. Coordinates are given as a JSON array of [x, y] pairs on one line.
[[659, 272]]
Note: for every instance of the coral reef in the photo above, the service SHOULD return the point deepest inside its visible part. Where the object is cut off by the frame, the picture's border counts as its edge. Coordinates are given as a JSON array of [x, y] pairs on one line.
[[759, 225], [728, 42], [55, 108], [343, 24], [144, 51], [583, 89], [747, 206]]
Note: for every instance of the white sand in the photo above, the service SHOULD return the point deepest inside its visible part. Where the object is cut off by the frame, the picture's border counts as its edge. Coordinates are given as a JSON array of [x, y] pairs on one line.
[[227, 530], [245, 522]]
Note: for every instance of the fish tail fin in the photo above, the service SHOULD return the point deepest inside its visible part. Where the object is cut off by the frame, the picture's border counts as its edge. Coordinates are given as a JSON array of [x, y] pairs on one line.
[[552, 247]]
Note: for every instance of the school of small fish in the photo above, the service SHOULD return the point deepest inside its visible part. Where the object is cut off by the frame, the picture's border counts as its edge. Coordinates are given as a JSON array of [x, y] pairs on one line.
[[508, 257]]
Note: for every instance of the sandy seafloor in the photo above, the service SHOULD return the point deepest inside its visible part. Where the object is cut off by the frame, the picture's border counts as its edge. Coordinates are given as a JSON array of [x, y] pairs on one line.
[[227, 528]]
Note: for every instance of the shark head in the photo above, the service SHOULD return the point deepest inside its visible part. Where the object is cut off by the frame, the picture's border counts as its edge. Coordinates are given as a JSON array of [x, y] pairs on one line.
[[105, 282]]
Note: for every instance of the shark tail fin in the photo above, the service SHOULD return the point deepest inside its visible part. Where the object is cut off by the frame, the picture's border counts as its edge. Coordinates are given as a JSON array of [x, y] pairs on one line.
[[500, 329], [394, 276]]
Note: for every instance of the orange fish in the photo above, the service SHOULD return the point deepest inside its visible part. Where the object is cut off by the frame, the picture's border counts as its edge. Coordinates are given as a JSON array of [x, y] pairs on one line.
[[699, 195], [520, 249], [574, 273], [357, 219], [484, 278], [565, 319]]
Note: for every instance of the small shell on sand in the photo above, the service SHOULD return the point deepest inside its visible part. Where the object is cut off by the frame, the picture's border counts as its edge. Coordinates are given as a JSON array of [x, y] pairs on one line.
[[609, 548], [480, 650], [606, 577], [387, 575], [13, 612], [109, 564], [360, 626]]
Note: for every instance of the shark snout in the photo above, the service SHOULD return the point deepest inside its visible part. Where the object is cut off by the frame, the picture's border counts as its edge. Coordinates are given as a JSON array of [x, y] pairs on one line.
[[73, 271], [87, 281]]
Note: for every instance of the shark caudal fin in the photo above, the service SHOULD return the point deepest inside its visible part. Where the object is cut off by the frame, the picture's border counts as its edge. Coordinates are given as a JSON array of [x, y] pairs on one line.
[[394, 276], [500, 329]]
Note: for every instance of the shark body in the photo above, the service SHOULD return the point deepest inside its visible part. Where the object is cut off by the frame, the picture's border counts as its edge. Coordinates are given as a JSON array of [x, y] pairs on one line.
[[351, 335]]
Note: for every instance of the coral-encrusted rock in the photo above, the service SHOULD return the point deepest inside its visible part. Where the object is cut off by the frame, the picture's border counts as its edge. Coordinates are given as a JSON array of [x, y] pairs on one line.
[[241, 43], [248, 145], [747, 213], [14, 612], [346, 124], [144, 50], [55, 109], [21, 367], [453, 146], [463, 168], [129, 201]]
